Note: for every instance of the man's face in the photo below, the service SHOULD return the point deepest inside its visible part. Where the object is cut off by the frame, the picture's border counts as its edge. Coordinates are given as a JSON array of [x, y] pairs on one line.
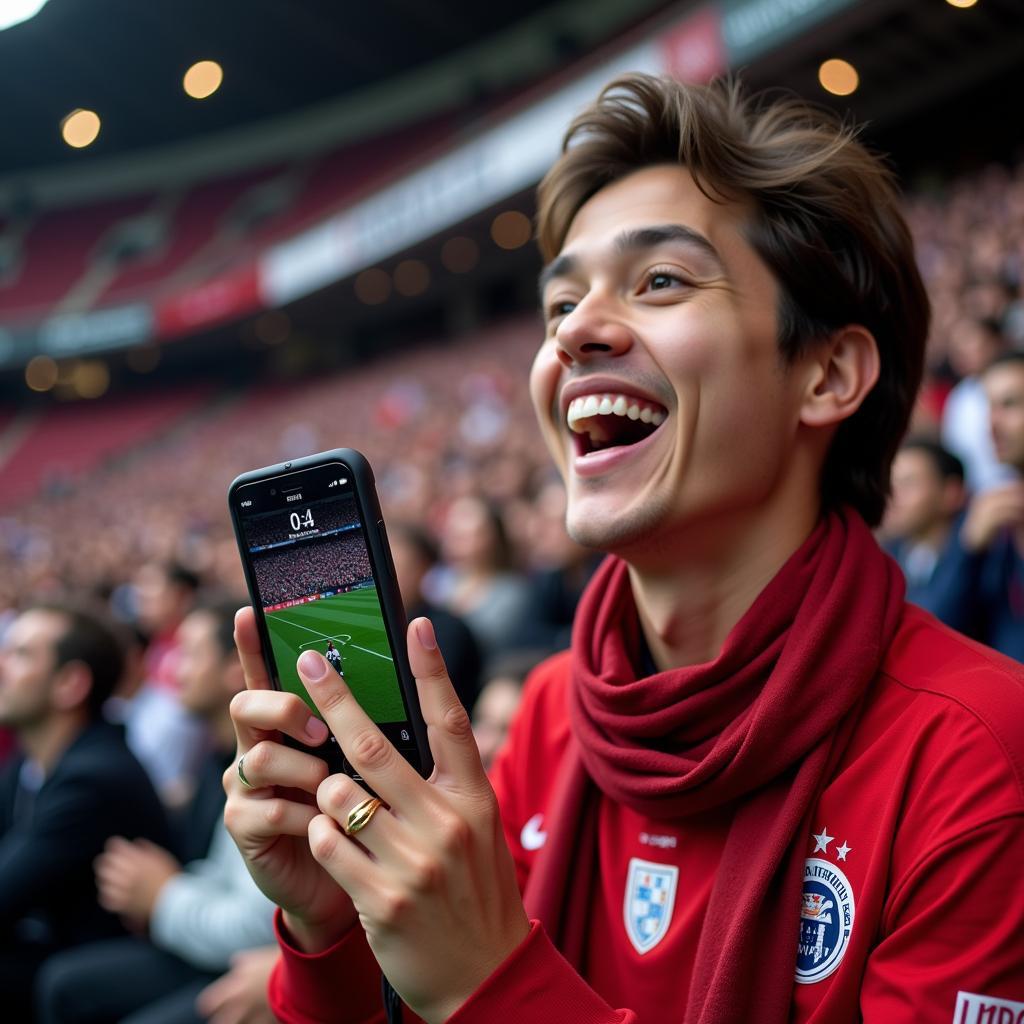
[[917, 495], [658, 302], [200, 665], [153, 597], [1004, 385], [28, 663]]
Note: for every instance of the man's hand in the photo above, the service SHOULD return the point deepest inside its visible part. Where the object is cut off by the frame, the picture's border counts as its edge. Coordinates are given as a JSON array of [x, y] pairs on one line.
[[240, 996], [269, 822], [991, 512], [430, 874], [130, 875]]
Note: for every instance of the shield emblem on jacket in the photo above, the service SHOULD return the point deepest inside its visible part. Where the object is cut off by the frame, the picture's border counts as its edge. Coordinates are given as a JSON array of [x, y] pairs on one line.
[[650, 897]]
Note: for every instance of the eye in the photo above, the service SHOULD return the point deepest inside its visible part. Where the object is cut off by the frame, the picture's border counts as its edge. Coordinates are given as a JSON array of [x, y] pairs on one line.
[[560, 308], [659, 279]]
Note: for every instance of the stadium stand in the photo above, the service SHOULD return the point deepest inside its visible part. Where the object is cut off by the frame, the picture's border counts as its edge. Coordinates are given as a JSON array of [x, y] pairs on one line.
[[65, 444], [55, 252], [139, 247]]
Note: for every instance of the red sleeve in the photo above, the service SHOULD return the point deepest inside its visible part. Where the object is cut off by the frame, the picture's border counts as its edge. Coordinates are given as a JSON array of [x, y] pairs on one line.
[[537, 985], [341, 985], [953, 934]]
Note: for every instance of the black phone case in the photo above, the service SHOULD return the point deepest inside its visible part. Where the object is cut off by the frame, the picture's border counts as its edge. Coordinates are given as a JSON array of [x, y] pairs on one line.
[[383, 567]]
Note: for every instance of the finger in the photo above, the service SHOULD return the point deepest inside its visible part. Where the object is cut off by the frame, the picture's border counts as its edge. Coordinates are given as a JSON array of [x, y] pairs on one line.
[[448, 726], [209, 999], [262, 714], [366, 747], [213, 997], [273, 764], [364, 882], [339, 795], [113, 900], [250, 650], [254, 822]]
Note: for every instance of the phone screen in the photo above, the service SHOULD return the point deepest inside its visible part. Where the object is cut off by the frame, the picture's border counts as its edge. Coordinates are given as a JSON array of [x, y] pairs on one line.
[[315, 585]]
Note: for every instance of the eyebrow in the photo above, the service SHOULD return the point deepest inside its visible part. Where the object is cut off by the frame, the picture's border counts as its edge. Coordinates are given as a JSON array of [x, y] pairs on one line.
[[637, 240]]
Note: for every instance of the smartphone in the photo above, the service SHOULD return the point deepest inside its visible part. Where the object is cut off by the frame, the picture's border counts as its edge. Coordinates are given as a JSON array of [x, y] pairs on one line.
[[320, 577]]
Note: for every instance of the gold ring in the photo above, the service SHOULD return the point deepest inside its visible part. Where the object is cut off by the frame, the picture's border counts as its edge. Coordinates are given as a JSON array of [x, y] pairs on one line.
[[360, 815], [241, 774]]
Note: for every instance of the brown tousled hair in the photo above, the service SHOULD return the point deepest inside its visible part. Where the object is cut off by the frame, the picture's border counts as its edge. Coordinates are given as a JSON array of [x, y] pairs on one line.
[[826, 222]]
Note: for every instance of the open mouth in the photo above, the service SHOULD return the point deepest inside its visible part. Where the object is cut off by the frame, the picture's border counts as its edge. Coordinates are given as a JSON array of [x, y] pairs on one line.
[[603, 421]]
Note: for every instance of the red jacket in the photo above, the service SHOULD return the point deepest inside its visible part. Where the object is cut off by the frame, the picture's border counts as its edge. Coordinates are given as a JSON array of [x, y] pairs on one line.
[[913, 904]]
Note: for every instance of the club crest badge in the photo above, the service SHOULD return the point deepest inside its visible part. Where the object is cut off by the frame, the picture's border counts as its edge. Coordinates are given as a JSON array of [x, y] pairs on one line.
[[650, 898], [826, 921]]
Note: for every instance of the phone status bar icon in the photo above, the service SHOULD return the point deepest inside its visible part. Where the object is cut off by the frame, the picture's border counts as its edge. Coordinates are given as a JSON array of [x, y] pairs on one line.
[[338, 483]]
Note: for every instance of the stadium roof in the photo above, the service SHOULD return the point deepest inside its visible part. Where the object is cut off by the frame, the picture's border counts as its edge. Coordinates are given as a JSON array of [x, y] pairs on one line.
[[125, 60]]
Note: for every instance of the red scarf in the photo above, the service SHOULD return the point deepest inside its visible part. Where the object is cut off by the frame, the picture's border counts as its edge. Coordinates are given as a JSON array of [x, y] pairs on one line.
[[762, 725]]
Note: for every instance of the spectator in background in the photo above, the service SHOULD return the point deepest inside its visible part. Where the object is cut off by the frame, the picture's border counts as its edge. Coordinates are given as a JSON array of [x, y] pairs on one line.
[[415, 554], [973, 344], [198, 916], [482, 586], [165, 737], [240, 996], [927, 498], [75, 785], [990, 599], [561, 569], [499, 700]]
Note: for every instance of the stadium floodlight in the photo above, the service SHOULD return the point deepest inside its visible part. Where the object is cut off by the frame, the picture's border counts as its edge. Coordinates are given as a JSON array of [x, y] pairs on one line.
[[14, 12]]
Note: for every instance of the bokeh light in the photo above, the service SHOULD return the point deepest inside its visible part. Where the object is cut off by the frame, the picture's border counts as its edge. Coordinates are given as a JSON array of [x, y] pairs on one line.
[[838, 77], [80, 128], [511, 229], [41, 373], [373, 286], [203, 79], [460, 254], [412, 277]]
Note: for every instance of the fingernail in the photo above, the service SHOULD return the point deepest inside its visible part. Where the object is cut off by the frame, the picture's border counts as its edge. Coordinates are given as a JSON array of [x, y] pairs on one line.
[[316, 731], [425, 633], [312, 666]]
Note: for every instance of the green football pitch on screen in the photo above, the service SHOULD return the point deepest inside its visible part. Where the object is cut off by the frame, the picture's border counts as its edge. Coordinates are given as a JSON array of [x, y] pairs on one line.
[[354, 623]]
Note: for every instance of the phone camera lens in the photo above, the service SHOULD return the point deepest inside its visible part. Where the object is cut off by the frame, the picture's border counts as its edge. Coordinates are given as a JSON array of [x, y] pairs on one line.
[[273, 491]]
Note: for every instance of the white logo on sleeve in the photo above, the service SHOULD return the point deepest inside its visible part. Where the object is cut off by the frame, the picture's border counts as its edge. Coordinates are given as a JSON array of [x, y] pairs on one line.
[[974, 1009], [650, 899], [531, 837]]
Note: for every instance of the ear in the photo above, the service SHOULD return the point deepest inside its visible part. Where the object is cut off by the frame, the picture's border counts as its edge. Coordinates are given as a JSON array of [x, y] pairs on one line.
[[842, 371], [71, 686]]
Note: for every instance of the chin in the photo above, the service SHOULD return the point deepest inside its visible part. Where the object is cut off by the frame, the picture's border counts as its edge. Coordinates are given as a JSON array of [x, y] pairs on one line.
[[611, 532]]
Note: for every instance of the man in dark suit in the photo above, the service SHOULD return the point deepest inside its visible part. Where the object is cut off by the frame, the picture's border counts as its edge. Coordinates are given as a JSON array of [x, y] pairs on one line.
[[73, 785]]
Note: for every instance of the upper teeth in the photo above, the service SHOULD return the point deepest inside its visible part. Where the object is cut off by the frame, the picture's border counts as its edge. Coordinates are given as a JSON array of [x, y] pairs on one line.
[[586, 406]]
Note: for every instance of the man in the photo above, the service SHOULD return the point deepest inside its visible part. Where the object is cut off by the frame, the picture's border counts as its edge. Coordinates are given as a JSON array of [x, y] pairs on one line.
[[73, 786], [928, 497], [415, 554], [760, 787], [972, 345], [163, 735], [986, 560], [198, 916], [334, 659]]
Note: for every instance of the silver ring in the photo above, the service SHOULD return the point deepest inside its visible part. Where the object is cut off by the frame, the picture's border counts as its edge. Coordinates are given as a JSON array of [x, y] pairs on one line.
[[241, 774]]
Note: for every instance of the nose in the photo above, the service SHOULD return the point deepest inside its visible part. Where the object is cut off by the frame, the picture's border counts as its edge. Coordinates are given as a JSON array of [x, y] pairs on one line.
[[591, 329]]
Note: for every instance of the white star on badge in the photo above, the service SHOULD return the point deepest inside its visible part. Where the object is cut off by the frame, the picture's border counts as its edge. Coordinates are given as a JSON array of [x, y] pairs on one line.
[[842, 851], [821, 841]]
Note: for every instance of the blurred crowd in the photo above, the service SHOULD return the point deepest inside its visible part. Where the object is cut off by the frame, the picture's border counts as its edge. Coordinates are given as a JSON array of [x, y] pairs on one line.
[[305, 569], [148, 915]]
